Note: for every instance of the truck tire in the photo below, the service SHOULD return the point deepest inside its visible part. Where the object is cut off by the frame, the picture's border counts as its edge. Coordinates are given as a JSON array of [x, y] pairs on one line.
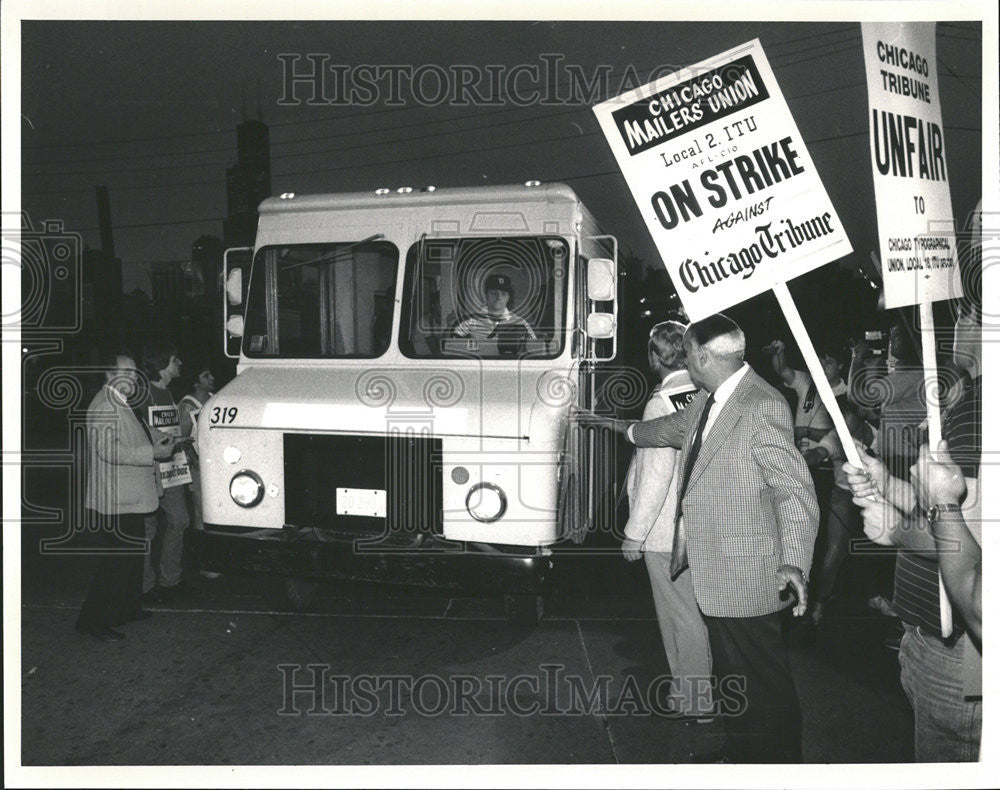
[[523, 610]]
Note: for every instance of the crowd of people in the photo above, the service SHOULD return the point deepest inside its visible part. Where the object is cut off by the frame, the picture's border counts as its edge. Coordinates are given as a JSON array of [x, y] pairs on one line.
[[739, 495], [142, 486]]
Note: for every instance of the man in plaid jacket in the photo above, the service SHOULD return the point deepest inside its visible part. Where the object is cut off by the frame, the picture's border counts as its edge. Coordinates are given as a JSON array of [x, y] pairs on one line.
[[747, 517]]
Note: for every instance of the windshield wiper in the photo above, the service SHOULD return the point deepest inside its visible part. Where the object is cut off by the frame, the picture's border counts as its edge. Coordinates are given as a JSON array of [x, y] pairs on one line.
[[330, 257]]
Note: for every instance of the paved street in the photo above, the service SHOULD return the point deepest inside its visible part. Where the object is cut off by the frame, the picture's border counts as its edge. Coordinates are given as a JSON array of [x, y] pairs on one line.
[[389, 675]]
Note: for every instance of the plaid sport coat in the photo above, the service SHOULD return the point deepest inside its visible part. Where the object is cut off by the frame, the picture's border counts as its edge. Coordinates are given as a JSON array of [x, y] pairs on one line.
[[750, 505], [121, 471]]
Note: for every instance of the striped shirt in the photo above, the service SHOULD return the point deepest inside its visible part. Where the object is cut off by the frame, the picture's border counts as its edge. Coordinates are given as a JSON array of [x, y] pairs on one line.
[[483, 325], [916, 586]]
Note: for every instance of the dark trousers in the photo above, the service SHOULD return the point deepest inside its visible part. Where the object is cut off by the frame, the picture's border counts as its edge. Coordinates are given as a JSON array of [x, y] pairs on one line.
[[114, 592], [749, 652]]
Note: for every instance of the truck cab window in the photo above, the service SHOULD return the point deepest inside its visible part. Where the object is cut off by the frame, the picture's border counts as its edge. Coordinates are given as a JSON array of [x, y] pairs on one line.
[[321, 300], [488, 298]]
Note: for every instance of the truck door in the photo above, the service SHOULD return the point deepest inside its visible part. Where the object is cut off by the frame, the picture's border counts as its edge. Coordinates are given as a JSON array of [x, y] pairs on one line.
[[589, 478]]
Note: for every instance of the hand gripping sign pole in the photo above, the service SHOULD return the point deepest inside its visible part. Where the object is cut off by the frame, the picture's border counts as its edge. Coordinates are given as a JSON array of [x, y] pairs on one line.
[[912, 196]]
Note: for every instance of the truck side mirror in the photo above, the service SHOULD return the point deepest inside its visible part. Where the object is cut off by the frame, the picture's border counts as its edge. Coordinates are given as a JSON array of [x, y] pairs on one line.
[[601, 278], [234, 287], [601, 326], [235, 261], [601, 294]]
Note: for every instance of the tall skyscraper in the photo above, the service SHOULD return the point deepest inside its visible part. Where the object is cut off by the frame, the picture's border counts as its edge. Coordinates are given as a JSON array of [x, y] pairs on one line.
[[248, 182]]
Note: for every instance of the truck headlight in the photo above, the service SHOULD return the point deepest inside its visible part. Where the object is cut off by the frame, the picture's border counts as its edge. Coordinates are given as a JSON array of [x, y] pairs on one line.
[[486, 502], [246, 488]]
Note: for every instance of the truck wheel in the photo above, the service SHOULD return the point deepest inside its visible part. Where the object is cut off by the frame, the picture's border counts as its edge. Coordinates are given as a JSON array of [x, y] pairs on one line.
[[523, 610], [295, 594]]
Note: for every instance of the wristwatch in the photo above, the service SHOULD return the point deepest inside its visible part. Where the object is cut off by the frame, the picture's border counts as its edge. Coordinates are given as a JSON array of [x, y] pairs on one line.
[[934, 511]]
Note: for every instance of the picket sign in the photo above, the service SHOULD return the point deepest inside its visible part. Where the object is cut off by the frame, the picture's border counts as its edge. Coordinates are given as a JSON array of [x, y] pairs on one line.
[[815, 367], [733, 201], [919, 259], [728, 190]]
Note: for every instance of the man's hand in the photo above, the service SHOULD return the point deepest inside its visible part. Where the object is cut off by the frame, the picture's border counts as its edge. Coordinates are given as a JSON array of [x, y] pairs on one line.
[[164, 448], [592, 420], [937, 480], [790, 575], [870, 481], [632, 549], [881, 521]]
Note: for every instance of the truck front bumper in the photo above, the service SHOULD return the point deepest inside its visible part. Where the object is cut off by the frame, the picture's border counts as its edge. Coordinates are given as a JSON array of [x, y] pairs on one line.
[[284, 553]]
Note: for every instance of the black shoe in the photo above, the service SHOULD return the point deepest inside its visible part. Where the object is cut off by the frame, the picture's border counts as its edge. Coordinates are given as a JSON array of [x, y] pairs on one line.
[[714, 756], [179, 590], [697, 718], [103, 632], [135, 616], [153, 596]]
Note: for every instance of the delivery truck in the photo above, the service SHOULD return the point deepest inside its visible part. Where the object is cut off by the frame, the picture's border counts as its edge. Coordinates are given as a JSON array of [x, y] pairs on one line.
[[408, 364]]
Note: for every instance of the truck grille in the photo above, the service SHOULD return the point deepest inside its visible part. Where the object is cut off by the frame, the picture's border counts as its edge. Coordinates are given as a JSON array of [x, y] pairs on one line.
[[407, 467]]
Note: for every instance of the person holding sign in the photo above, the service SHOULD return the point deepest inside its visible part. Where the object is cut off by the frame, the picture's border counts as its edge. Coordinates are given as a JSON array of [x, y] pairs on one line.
[[649, 533], [190, 408], [747, 519], [812, 422], [940, 674], [120, 490], [162, 574]]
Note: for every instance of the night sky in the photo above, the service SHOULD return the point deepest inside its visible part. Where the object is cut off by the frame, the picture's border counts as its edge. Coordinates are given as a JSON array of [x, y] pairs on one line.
[[149, 109]]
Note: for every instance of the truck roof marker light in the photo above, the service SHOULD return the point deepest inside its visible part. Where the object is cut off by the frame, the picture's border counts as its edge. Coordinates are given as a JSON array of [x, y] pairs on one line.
[[486, 502], [404, 190], [382, 191], [532, 183], [287, 195]]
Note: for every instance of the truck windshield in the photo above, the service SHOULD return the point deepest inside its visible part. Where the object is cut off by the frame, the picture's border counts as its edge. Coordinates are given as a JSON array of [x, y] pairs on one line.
[[485, 297], [321, 300]]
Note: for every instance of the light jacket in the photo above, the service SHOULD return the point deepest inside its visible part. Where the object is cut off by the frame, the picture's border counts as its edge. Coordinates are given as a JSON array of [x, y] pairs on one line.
[[120, 470]]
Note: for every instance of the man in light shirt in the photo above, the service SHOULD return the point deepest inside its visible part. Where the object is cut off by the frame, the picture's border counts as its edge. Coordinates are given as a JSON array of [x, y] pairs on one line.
[[649, 533]]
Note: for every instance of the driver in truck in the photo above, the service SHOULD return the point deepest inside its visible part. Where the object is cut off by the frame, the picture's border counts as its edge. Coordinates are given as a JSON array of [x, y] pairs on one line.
[[499, 292]]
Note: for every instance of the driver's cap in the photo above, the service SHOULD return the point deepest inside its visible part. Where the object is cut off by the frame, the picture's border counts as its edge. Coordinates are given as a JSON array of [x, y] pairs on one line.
[[499, 282]]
